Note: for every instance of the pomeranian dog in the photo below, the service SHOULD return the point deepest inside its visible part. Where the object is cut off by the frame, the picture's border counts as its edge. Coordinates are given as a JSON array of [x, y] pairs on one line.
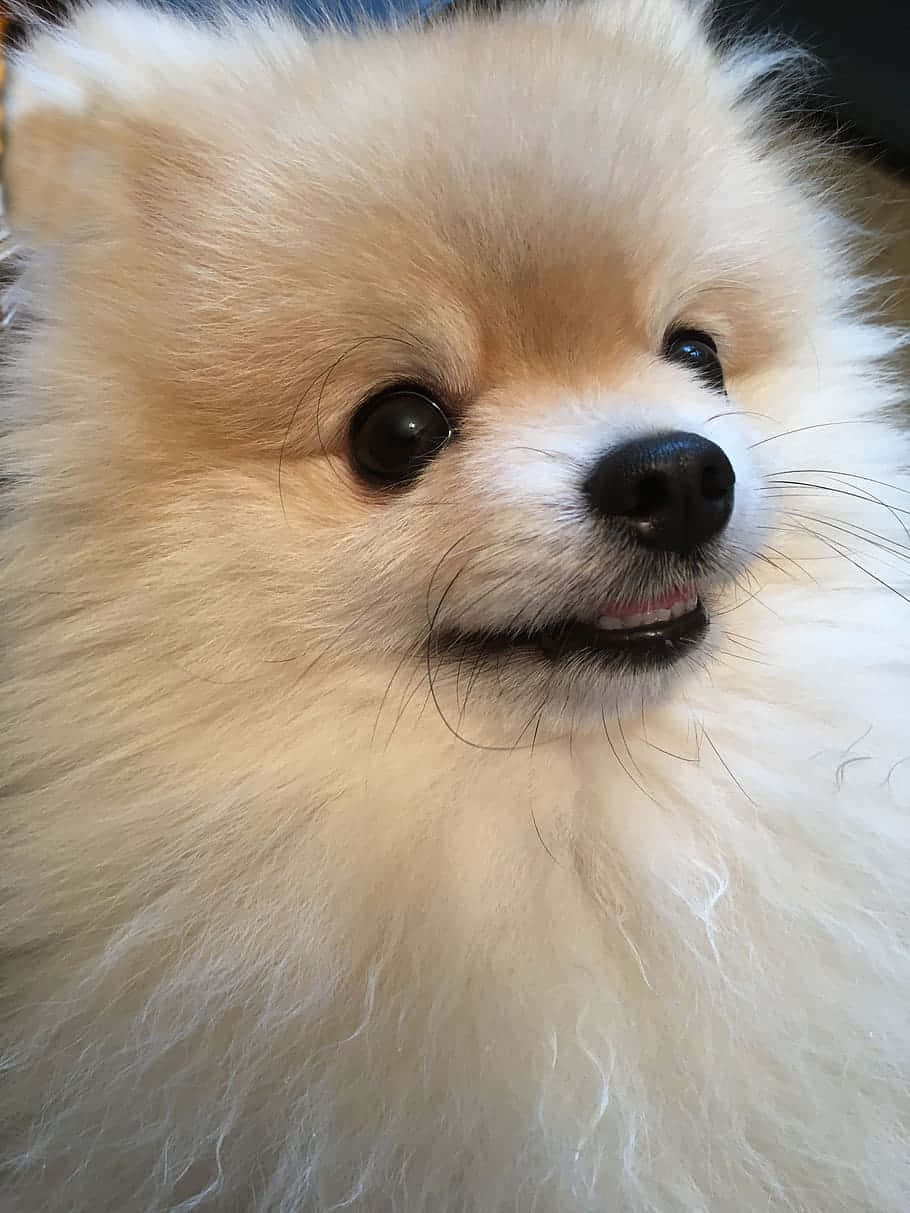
[[456, 595]]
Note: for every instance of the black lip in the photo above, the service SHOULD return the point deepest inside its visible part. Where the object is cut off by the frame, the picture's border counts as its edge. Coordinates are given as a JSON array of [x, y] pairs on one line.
[[653, 644]]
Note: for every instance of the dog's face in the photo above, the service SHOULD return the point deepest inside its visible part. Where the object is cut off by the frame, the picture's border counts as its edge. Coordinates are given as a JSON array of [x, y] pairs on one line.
[[450, 339]]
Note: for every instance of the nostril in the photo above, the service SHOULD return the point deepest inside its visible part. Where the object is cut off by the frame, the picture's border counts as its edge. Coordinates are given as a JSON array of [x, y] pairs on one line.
[[653, 494], [716, 481]]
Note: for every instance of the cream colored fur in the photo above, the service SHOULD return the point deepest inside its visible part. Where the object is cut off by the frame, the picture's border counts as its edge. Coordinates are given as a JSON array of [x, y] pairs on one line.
[[296, 918]]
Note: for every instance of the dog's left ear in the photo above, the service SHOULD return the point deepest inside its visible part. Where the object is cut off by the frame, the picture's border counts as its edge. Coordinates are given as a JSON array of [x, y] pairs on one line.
[[85, 135]]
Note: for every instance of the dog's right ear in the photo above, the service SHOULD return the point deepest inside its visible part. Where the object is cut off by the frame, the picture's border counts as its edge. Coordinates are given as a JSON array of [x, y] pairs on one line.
[[85, 134]]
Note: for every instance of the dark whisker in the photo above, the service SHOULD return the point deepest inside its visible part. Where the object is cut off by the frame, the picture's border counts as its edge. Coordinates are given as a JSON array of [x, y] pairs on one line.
[[408, 653], [845, 475], [791, 559], [536, 730], [536, 715], [839, 550], [286, 440], [763, 558], [821, 425], [440, 562], [739, 413], [724, 764], [318, 411], [669, 753], [407, 699], [625, 769], [429, 650], [894, 510], [873, 538], [540, 838], [475, 745], [622, 734], [745, 641], [894, 766], [472, 681], [518, 575], [751, 597], [740, 657], [848, 762], [557, 455]]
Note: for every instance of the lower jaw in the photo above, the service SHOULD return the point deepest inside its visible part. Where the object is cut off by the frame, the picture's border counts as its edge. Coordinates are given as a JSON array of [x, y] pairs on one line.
[[653, 646]]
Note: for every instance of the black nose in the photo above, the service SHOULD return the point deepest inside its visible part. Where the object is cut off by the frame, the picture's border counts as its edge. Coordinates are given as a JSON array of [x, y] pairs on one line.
[[675, 490]]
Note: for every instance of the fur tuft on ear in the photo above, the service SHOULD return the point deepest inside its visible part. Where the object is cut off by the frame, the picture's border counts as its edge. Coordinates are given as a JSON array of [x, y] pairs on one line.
[[76, 100]]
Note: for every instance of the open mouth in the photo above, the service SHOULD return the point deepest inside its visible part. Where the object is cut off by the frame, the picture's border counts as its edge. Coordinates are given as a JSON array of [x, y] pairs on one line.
[[651, 632]]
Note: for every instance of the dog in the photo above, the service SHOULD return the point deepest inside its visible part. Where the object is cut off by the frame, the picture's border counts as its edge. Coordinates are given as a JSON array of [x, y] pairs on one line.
[[455, 597]]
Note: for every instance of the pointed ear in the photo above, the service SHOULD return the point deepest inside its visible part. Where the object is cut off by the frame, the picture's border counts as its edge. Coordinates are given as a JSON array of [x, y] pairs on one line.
[[81, 107]]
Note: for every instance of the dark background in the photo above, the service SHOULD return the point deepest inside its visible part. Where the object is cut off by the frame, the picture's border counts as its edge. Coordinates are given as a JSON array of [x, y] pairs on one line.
[[864, 46]]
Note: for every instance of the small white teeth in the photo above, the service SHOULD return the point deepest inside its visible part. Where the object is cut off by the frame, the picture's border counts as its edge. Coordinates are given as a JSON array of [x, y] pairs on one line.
[[616, 623], [611, 624]]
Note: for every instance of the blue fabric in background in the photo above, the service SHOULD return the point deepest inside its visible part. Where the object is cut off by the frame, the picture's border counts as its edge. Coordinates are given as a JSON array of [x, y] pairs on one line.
[[322, 12], [344, 11]]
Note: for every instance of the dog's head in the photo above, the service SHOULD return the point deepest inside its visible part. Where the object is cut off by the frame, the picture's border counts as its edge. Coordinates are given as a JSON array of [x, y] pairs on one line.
[[491, 367], [451, 350]]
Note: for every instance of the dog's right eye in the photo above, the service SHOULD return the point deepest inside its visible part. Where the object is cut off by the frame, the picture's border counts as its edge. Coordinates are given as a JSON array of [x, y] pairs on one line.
[[396, 433]]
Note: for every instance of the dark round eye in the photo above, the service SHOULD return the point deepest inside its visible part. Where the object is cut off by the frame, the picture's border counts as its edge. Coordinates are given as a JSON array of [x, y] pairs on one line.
[[697, 350], [396, 433]]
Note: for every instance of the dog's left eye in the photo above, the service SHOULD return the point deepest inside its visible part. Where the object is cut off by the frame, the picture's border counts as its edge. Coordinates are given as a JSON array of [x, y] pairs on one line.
[[396, 433], [695, 349]]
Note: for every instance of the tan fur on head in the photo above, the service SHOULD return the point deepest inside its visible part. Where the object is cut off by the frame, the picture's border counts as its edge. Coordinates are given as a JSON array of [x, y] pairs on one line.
[[298, 913]]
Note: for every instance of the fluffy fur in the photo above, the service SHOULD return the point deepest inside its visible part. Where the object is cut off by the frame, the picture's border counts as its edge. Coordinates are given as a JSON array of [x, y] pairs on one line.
[[298, 917]]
